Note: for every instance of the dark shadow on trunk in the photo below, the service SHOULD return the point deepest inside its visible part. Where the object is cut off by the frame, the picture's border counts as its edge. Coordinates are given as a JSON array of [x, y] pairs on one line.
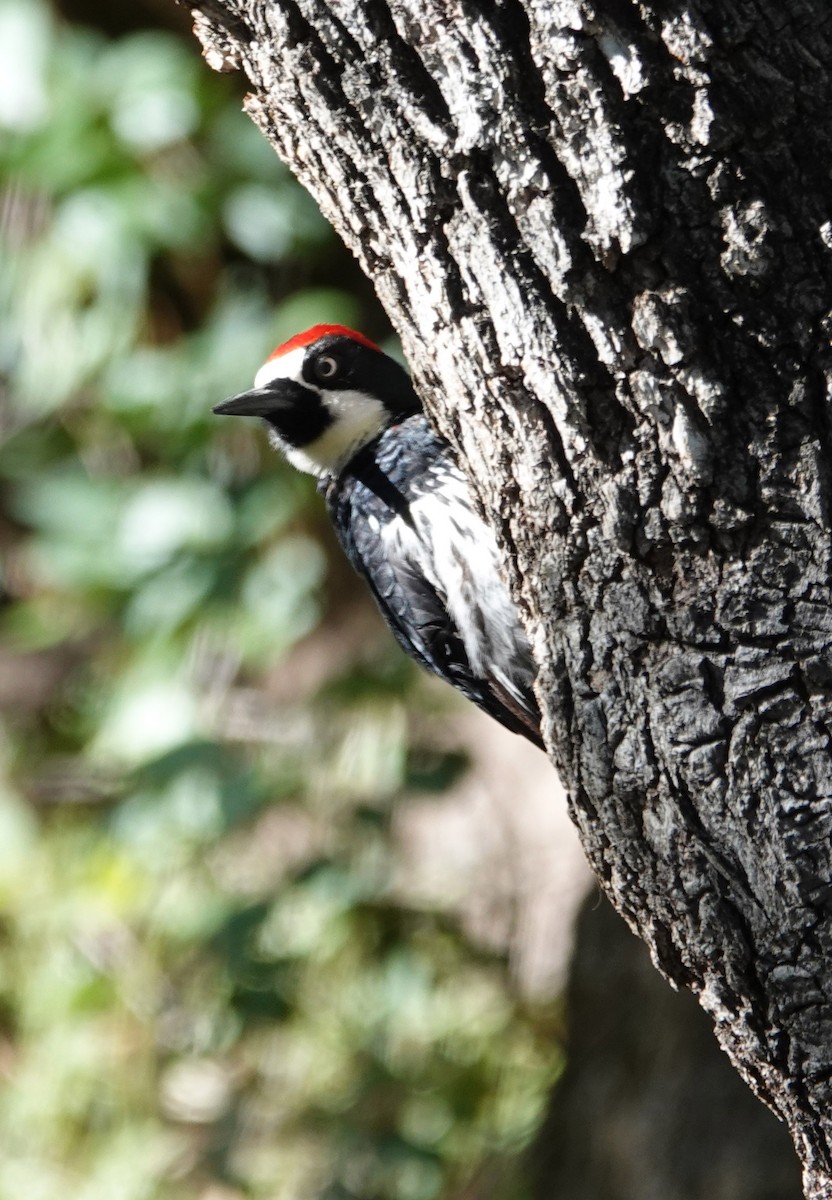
[[649, 1107]]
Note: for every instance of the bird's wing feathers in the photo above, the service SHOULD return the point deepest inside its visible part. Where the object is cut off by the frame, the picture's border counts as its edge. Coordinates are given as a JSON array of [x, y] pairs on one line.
[[432, 566], [418, 617]]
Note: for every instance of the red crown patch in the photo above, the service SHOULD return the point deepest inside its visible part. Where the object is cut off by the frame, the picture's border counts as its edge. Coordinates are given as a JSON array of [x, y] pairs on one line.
[[318, 331]]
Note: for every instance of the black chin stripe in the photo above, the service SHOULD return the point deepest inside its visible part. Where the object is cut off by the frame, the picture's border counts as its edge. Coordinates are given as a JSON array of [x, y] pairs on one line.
[[301, 418]]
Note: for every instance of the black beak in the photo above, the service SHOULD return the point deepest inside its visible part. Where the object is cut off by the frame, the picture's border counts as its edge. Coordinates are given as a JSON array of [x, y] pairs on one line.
[[259, 402]]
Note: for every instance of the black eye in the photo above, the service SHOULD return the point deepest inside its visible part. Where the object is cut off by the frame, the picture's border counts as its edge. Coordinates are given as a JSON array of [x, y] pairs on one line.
[[326, 366]]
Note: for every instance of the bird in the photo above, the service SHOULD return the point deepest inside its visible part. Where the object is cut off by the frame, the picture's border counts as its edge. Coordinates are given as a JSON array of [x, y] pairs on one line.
[[339, 408]]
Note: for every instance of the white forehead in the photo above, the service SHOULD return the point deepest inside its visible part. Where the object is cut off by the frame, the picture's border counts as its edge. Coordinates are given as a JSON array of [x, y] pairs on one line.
[[285, 366]]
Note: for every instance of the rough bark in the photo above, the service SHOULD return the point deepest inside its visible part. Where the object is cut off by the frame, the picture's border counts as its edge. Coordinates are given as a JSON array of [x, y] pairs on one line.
[[603, 232]]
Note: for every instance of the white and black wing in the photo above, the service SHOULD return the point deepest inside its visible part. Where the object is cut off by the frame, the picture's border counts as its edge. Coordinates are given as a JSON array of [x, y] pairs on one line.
[[406, 521]]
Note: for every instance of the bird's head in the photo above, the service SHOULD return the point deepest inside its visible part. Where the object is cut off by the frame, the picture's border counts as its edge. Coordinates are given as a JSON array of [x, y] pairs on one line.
[[325, 394]]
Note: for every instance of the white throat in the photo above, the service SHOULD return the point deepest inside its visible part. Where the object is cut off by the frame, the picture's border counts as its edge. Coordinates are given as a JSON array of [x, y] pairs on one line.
[[357, 418]]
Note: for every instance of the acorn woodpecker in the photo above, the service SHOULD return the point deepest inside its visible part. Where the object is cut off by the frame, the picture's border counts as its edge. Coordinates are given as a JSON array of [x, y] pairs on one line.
[[340, 409]]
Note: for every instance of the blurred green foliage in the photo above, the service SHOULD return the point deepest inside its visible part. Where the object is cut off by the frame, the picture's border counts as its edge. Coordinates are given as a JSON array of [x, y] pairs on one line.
[[208, 986]]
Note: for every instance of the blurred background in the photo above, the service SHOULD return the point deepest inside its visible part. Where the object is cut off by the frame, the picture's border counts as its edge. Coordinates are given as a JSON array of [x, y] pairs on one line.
[[279, 916]]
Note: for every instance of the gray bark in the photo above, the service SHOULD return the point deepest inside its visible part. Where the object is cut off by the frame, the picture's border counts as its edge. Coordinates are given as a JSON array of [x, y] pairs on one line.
[[603, 232]]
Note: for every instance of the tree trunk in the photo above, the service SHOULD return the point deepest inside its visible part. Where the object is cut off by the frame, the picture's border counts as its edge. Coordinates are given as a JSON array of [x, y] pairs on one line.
[[648, 1107], [603, 232]]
